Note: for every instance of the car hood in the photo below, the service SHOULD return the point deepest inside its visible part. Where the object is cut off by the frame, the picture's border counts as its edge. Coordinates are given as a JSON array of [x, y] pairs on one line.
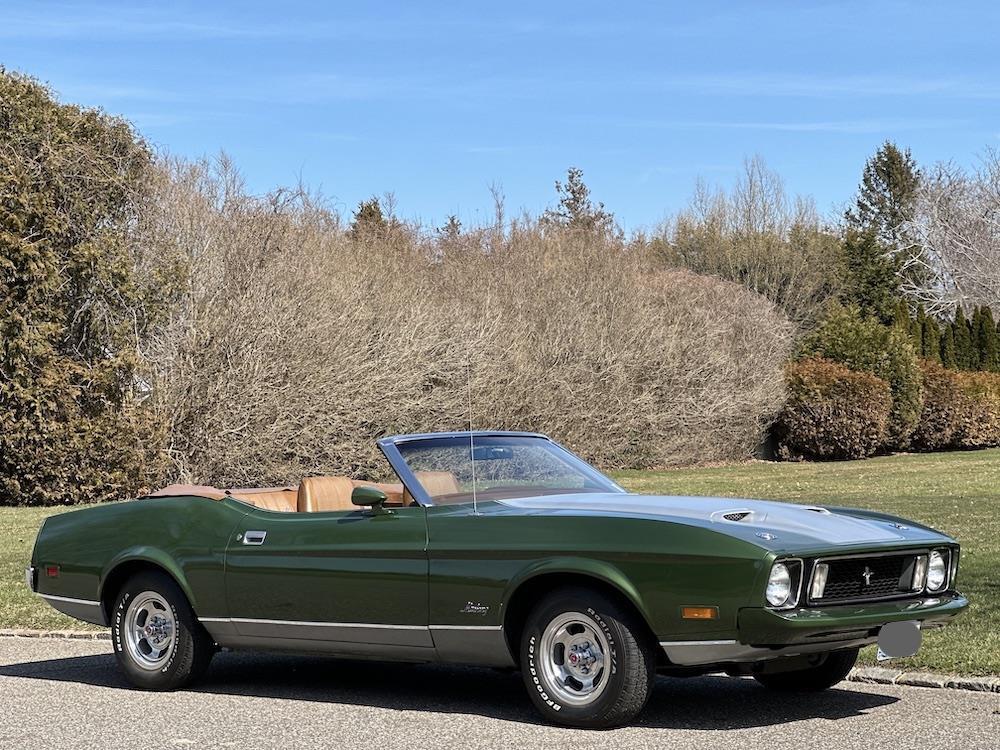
[[772, 525]]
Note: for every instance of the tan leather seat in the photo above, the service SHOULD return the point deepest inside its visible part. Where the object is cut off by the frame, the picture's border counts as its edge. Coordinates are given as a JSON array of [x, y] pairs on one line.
[[322, 494], [435, 483], [282, 501]]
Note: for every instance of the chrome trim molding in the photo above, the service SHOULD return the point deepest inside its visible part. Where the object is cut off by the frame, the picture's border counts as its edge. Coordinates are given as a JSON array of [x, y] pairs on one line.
[[465, 627], [68, 600], [698, 643], [305, 623], [373, 625]]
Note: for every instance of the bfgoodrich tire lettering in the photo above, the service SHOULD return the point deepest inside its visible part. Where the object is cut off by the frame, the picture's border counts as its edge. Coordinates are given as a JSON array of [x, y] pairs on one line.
[[187, 648], [585, 660], [829, 669]]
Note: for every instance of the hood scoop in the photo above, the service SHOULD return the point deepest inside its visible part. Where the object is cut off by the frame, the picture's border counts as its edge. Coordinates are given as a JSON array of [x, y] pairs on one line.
[[738, 515]]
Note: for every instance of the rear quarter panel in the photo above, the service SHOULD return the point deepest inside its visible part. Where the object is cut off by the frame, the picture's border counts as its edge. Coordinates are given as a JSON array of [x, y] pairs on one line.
[[186, 536]]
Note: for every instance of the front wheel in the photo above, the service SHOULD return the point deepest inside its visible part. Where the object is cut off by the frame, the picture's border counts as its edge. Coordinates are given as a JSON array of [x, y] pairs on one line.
[[825, 671], [158, 642], [585, 660]]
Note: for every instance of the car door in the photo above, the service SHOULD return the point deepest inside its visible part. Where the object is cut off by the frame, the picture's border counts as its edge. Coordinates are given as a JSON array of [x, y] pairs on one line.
[[337, 578]]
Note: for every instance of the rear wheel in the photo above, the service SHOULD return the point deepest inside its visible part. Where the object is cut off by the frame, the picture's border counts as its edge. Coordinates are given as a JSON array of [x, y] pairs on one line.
[[585, 660], [825, 671], [158, 642]]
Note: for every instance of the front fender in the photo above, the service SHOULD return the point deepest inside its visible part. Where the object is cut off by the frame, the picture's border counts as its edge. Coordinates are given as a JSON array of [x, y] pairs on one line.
[[598, 569]]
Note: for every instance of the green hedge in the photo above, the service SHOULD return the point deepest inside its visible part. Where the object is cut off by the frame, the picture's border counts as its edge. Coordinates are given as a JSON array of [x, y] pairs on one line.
[[832, 412], [864, 344]]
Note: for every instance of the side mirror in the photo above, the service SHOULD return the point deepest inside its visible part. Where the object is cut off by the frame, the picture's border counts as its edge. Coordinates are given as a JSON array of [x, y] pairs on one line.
[[371, 497]]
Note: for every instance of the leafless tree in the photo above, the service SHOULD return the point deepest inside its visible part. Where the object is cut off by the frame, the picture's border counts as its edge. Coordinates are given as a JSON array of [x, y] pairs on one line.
[[958, 227]]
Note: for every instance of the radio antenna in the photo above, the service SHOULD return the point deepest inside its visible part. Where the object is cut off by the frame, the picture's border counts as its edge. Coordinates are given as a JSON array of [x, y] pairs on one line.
[[472, 439]]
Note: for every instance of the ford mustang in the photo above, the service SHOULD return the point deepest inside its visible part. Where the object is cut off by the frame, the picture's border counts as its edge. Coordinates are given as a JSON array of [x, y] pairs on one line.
[[505, 550]]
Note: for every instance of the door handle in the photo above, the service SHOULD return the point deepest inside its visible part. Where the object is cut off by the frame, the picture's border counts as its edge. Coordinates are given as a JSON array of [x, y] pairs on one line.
[[254, 538]]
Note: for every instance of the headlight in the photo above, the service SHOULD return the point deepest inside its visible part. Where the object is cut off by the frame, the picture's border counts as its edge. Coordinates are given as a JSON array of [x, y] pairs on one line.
[[779, 586], [937, 571]]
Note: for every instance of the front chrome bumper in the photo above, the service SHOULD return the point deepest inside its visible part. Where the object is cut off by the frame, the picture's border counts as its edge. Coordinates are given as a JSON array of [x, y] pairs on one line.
[[767, 634]]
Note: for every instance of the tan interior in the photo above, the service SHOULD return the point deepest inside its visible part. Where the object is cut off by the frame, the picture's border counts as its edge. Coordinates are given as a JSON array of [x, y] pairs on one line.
[[312, 495], [435, 483]]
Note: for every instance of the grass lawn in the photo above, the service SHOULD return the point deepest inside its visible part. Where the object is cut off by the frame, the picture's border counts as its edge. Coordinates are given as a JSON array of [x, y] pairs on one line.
[[958, 493]]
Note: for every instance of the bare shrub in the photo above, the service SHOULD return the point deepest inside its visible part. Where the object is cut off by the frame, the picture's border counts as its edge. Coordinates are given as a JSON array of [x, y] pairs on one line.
[[291, 344], [756, 236]]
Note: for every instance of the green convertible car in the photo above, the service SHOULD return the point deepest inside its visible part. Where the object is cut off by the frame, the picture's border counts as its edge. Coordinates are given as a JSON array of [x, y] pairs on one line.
[[504, 550]]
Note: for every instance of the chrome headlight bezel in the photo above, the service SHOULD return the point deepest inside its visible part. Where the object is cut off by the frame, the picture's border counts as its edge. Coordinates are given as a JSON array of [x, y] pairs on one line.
[[938, 569], [792, 568]]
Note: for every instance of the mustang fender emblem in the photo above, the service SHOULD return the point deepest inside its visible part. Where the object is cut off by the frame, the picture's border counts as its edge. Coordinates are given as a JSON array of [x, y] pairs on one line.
[[766, 536], [474, 608]]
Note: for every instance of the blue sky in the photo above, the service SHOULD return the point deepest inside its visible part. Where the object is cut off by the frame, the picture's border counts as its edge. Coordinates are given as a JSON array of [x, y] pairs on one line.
[[437, 101]]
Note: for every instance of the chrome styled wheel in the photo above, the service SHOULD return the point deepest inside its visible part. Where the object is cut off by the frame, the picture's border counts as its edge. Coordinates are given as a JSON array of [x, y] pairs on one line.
[[150, 630], [573, 655]]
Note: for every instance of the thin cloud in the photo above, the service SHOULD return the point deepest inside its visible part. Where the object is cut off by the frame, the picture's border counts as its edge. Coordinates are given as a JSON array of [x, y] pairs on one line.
[[829, 126], [825, 86]]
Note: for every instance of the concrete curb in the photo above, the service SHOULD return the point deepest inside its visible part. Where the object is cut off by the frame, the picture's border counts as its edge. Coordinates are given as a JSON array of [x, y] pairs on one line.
[[76, 635], [874, 675], [889, 676]]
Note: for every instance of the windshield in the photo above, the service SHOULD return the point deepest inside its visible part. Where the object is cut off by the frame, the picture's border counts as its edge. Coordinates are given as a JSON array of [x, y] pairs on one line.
[[503, 467]]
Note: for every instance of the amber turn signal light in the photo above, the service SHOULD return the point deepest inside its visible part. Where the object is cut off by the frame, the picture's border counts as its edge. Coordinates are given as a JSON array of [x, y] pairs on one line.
[[700, 613]]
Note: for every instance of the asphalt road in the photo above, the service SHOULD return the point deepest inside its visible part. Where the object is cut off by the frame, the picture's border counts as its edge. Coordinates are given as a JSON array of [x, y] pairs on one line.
[[68, 694]]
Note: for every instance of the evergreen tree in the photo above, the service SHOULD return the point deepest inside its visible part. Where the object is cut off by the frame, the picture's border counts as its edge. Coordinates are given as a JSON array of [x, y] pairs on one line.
[[989, 345], [72, 307], [368, 219], [871, 281], [976, 342], [576, 210], [886, 196], [917, 330], [901, 316], [948, 358], [930, 346], [963, 341]]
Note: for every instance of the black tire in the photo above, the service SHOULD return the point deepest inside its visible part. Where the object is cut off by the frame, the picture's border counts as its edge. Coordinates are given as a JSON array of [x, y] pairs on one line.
[[829, 669], [185, 658], [625, 679]]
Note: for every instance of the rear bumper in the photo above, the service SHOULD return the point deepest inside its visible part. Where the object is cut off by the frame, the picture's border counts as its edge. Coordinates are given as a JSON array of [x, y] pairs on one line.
[[767, 634]]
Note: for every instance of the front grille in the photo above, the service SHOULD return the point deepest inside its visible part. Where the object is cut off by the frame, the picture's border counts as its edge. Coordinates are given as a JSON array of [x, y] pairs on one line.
[[868, 578]]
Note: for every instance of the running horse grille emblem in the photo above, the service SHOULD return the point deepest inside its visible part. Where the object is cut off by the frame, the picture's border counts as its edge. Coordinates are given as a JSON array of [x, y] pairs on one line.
[[867, 575]]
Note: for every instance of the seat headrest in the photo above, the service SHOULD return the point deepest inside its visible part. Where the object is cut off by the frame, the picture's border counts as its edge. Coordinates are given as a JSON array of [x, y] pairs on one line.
[[435, 483], [322, 494]]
